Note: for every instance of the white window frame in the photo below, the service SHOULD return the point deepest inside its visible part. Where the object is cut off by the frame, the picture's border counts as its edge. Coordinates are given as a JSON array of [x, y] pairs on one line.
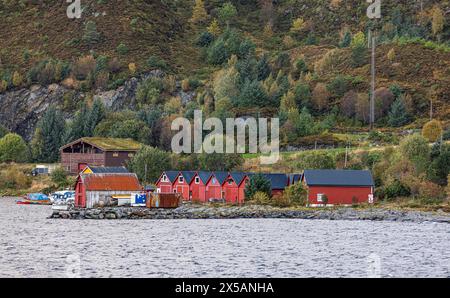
[[214, 180], [320, 197], [180, 179], [197, 180], [164, 178]]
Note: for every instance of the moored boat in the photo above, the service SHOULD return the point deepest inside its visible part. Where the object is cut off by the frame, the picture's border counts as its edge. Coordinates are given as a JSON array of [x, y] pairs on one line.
[[34, 199]]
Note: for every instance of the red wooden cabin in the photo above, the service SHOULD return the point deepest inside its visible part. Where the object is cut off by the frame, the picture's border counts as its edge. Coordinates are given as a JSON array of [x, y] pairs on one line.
[[338, 187], [181, 184], [198, 186], [165, 182], [233, 188], [214, 186]]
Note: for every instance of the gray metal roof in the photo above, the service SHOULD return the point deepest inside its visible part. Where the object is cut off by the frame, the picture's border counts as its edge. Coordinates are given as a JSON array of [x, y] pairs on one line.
[[237, 177], [277, 181], [221, 176], [172, 175], [338, 177], [188, 175], [204, 176], [108, 170]]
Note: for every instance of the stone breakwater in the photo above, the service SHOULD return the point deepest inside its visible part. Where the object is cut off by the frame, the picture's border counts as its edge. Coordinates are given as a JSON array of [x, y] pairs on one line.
[[188, 211]]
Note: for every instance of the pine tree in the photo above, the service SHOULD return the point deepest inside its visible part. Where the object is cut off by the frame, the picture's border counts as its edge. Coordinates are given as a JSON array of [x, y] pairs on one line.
[[258, 183], [78, 128], [398, 115], [95, 116], [227, 12], [298, 25], [91, 35], [346, 40], [287, 102], [359, 50], [305, 125], [438, 21], [17, 79], [214, 28], [263, 68], [199, 13], [252, 95], [48, 137]]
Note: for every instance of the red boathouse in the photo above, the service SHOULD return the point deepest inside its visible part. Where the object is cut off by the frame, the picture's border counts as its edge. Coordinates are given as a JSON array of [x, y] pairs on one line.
[[181, 184], [165, 182], [338, 187], [214, 186], [233, 188], [198, 186], [91, 189]]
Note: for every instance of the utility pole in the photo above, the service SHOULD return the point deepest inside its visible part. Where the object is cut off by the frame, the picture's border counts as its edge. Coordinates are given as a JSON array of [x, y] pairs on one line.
[[373, 82], [346, 156], [373, 12]]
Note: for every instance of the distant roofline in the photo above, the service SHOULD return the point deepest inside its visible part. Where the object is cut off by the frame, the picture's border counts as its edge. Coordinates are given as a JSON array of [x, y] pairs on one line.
[[87, 140]]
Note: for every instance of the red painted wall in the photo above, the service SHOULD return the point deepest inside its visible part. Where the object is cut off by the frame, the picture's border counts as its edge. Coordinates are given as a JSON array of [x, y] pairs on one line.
[[231, 192], [213, 190], [339, 195], [80, 195], [165, 187], [198, 190], [241, 190], [182, 188]]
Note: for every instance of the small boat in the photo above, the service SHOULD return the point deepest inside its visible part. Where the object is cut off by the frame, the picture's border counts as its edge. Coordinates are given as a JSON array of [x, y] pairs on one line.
[[34, 199], [62, 200]]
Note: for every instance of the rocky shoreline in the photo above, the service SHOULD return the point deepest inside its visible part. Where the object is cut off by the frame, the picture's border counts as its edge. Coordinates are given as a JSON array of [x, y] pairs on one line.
[[188, 211]]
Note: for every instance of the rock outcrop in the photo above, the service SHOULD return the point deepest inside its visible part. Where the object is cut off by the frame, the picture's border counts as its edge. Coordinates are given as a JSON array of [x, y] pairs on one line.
[[22, 109], [189, 211]]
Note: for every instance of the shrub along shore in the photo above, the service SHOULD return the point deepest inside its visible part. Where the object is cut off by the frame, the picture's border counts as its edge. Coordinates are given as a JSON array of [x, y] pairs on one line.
[[193, 211]]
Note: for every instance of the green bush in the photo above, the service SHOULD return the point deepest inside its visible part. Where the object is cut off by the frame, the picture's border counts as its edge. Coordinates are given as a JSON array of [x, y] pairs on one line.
[[394, 190], [155, 62], [316, 160], [91, 36], [60, 178], [296, 194], [122, 49], [261, 198], [13, 149]]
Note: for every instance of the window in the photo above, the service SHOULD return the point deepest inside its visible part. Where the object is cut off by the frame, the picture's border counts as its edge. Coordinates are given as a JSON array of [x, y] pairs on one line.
[[197, 180], [181, 179], [230, 181], [320, 197], [174, 191], [214, 181], [116, 154], [164, 178]]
